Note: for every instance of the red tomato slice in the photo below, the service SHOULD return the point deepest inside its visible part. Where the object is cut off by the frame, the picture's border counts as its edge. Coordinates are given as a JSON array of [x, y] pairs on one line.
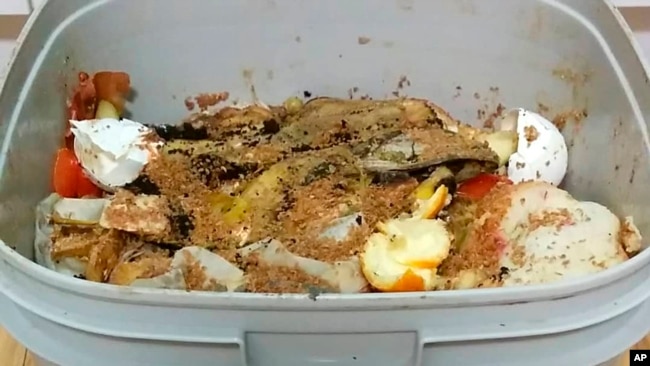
[[69, 179], [68, 141], [112, 87], [85, 187], [82, 104], [479, 186], [66, 170]]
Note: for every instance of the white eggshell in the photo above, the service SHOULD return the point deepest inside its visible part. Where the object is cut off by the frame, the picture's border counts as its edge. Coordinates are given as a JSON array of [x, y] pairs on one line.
[[112, 152], [544, 158]]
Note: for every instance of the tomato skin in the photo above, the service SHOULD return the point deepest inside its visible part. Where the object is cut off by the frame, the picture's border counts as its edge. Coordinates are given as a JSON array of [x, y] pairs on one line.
[[82, 104], [69, 180], [479, 186], [68, 140], [85, 187], [66, 170], [112, 87]]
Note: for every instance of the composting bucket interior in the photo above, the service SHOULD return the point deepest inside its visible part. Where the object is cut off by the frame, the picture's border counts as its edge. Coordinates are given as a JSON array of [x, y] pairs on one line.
[[569, 60]]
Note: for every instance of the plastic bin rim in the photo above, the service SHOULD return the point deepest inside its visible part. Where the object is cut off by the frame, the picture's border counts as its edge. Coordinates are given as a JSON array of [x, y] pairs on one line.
[[504, 296], [12, 260]]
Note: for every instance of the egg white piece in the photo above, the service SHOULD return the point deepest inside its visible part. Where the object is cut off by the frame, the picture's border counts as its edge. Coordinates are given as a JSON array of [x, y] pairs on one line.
[[113, 152], [345, 275], [541, 154], [553, 236], [402, 246]]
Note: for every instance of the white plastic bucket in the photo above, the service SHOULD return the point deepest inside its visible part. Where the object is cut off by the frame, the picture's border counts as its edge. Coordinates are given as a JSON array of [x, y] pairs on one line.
[[450, 50]]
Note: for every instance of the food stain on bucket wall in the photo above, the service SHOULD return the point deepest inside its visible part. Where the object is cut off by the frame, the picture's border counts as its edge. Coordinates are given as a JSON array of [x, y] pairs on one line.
[[362, 40], [405, 4], [247, 74], [576, 79], [466, 6], [205, 100], [570, 110], [491, 106], [537, 24], [402, 83]]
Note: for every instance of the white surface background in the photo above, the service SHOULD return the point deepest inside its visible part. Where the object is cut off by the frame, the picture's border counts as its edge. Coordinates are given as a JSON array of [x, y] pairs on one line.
[[13, 14]]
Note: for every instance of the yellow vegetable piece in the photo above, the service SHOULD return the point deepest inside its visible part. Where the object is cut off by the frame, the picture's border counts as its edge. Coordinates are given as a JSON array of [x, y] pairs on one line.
[[503, 143], [425, 190], [267, 184], [436, 203], [234, 209], [220, 201], [238, 211], [293, 105], [106, 110]]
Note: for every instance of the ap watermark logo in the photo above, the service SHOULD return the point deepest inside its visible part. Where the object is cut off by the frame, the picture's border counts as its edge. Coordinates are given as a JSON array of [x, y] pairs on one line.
[[639, 357]]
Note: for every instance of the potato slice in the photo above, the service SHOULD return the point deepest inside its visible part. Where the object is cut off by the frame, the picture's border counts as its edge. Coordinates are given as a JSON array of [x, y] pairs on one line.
[[431, 207], [343, 275], [126, 273], [76, 244], [106, 110], [140, 214], [104, 256], [78, 211]]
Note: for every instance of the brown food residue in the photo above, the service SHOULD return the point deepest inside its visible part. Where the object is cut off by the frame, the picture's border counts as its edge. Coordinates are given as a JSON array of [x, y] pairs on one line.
[[228, 179], [561, 119], [141, 261], [403, 81], [196, 278], [490, 118], [205, 100], [556, 218], [281, 279], [572, 77], [363, 40], [141, 214], [484, 244], [629, 237], [189, 103], [531, 134], [542, 108], [439, 144]]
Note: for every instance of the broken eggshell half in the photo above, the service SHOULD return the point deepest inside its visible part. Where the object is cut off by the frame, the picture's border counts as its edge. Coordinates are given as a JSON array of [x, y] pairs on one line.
[[541, 153], [113, 152]]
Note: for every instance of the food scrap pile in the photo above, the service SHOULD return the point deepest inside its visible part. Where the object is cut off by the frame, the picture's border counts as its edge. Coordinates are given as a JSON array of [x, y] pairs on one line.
[[327, 195]]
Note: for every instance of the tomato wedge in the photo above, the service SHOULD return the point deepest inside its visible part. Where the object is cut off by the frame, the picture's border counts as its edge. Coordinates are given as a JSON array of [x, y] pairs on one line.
[[69, 179], [112, 87], [82, 104], [479, 186], [85, 187], [66, 169]]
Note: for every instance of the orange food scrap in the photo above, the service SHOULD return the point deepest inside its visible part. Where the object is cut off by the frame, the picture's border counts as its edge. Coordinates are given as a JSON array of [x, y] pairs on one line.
[[407, 283]]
